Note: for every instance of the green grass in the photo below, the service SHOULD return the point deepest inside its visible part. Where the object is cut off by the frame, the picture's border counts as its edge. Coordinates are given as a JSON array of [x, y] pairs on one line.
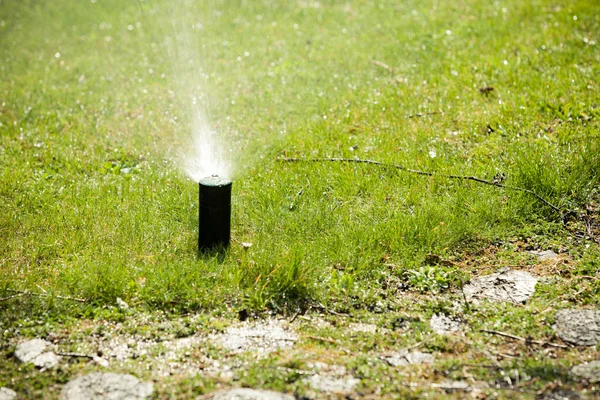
[[91, 209], [92, 107]]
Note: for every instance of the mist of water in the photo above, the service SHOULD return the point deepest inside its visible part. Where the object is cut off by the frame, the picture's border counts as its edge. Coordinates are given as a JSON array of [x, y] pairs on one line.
[[208, 153], [200, 150]]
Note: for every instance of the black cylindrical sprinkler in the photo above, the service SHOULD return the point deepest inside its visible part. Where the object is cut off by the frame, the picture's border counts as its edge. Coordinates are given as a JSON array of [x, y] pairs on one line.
[[215, 214]]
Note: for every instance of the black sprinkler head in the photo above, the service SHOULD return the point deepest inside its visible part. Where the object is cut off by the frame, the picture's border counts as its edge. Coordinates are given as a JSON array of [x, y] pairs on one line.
[[215, 214]]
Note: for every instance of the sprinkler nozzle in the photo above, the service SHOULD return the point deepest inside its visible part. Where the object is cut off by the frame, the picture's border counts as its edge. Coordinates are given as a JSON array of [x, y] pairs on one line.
[[215, 213]]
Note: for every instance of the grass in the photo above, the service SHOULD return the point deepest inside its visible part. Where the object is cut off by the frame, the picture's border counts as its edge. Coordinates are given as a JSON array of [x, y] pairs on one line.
[[93, 206]]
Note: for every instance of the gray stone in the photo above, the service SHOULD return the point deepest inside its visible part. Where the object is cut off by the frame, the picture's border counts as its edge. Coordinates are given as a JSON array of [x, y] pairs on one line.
[[249, 394], [106, 386], [7, 394], [579, 327], [442, 324], [325, 383], [38, 352], [560, 395], [453, 386], [405, 357], [362, 328], [509, 285], [589, 371], [543, 255], [262, 337], [121, 305]]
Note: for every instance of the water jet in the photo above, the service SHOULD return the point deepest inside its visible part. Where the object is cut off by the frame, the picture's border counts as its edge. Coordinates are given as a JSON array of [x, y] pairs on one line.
[[214, 227]]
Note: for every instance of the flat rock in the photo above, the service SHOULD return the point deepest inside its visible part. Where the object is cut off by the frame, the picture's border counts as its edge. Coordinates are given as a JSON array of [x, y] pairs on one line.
[[442, 324], [453, 386], [249, 394], [7, 394], [510, 285], [325, 383], [589, 371], [560, 395], [106, 386], [579, 327], [261, 337], [362, 328], [38, 352], [543, 255], [405, 357]]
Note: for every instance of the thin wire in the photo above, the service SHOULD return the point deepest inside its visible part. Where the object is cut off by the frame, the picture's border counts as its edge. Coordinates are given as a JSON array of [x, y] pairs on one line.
[[426, 173]]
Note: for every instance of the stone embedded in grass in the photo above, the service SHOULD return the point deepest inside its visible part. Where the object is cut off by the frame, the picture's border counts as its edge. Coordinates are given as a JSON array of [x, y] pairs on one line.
[[544, 255], [559, 395], [249, 394], [453, 386], [331, 378], [102, 386], [405, 357], [7, 394], [510, 285], [38, 352], [442, 324], [163, 358], [261, 337], [589, 371], [579, 327], [359, 327], [330, 384], [121, 305]]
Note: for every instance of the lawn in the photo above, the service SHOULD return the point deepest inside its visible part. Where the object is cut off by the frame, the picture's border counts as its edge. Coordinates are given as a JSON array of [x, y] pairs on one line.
[[96, 107]]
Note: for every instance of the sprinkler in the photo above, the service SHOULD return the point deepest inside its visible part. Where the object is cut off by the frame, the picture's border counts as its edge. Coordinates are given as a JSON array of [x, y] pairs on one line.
[[215, 213]]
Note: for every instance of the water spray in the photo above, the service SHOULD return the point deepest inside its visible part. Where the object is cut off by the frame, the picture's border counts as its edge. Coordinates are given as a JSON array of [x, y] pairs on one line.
[[215, 214]]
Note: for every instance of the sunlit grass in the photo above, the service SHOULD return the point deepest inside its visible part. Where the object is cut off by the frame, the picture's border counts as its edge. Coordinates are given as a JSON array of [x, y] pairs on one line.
[[92, 204]]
